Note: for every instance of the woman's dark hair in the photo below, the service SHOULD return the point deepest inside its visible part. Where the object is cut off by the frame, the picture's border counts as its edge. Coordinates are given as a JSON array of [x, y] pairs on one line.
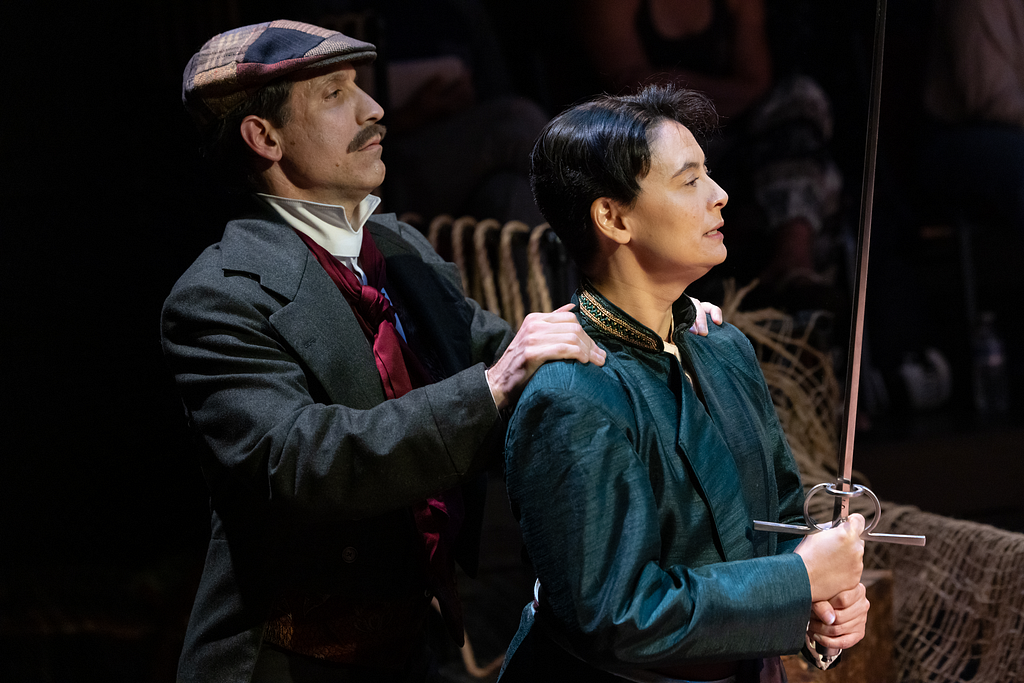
[[601, 148], [222, 142]]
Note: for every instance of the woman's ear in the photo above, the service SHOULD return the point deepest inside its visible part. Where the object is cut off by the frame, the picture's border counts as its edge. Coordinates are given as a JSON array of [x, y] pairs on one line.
[[607, 217], [262, 137]]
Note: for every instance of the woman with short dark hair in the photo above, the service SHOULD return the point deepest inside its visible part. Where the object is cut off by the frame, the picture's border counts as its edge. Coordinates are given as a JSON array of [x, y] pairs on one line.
[[636, 483]]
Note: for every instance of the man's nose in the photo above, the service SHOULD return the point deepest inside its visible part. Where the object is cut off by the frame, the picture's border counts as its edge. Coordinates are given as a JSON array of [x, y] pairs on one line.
[[369, 110]]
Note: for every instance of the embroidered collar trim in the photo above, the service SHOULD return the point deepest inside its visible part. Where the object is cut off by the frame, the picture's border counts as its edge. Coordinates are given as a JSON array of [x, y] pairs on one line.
[[614, 322], [607, 317]]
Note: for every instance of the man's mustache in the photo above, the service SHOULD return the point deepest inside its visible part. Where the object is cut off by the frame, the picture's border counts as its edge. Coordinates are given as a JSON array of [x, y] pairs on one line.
[[365, 135]]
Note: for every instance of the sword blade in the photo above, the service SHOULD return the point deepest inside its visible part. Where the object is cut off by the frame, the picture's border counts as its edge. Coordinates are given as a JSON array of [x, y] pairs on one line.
[[867, 197], [844, 473]]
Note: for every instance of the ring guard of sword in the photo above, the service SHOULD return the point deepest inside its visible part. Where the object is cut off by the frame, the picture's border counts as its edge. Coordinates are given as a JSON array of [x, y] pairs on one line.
[[844, 489]]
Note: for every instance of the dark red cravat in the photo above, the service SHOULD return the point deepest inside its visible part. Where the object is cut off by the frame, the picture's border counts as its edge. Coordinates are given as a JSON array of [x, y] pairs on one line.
[[437, 519]]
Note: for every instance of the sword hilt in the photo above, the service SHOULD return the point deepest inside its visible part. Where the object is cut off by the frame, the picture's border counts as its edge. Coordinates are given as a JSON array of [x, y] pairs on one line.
[[814, 527]]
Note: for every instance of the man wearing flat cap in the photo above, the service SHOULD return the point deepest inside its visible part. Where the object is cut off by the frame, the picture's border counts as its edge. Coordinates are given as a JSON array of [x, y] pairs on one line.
[[344, 393]]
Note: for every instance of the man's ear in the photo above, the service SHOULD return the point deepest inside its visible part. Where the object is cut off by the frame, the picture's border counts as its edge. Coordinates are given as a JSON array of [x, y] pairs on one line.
[[607, 217], [262, 137]]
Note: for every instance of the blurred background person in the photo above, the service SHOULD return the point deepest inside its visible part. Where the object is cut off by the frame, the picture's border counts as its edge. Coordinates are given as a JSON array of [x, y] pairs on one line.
[[774, 153], [974, 92], [459, 138]]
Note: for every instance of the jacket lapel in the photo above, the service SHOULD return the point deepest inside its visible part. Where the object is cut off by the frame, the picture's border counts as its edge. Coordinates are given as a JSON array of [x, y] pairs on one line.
[[743, 443], [315, 321], [702, 444], [701, 447], [416, 286]]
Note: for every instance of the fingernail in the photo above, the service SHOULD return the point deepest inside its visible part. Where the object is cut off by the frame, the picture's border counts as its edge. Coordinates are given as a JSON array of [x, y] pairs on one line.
[[830, 618]]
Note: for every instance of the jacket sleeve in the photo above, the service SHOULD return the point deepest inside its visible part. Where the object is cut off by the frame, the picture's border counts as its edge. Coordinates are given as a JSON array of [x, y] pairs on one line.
[[590, 520], [269, 434]]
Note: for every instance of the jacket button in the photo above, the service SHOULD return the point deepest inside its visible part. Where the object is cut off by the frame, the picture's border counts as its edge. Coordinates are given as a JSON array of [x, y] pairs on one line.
[[349, 554]]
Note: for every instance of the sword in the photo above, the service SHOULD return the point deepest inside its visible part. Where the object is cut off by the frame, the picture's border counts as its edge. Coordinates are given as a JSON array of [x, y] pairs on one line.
[[844, 489]]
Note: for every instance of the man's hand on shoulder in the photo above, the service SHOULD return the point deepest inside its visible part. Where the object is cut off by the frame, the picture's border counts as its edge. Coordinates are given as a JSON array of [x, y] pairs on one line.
[[542, 337], [704, 309]]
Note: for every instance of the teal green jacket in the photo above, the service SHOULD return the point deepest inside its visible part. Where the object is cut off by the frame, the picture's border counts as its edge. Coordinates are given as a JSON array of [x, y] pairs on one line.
[[636, 499]]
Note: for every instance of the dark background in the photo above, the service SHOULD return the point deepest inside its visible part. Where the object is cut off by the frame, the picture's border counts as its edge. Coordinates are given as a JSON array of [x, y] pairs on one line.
[[103, 515]]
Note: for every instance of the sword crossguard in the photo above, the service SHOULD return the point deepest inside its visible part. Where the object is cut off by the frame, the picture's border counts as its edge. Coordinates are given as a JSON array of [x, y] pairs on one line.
[[814, 527]]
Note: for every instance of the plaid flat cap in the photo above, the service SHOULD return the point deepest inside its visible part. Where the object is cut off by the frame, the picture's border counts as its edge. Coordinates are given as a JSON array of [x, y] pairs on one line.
[[233, 65]]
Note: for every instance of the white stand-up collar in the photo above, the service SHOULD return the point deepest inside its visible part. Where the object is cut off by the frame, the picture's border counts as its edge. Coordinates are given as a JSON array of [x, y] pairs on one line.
[[326, 224], [329, 226]]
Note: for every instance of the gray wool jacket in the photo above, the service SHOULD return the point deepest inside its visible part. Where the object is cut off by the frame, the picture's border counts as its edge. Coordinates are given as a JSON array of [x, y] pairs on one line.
[[302, 454]]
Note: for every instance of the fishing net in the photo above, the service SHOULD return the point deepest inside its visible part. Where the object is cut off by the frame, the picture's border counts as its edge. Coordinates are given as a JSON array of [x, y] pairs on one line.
[[958, 603]]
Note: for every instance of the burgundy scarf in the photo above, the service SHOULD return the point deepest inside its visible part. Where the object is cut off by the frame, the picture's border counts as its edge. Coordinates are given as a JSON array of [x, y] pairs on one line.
[[438, 519]]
